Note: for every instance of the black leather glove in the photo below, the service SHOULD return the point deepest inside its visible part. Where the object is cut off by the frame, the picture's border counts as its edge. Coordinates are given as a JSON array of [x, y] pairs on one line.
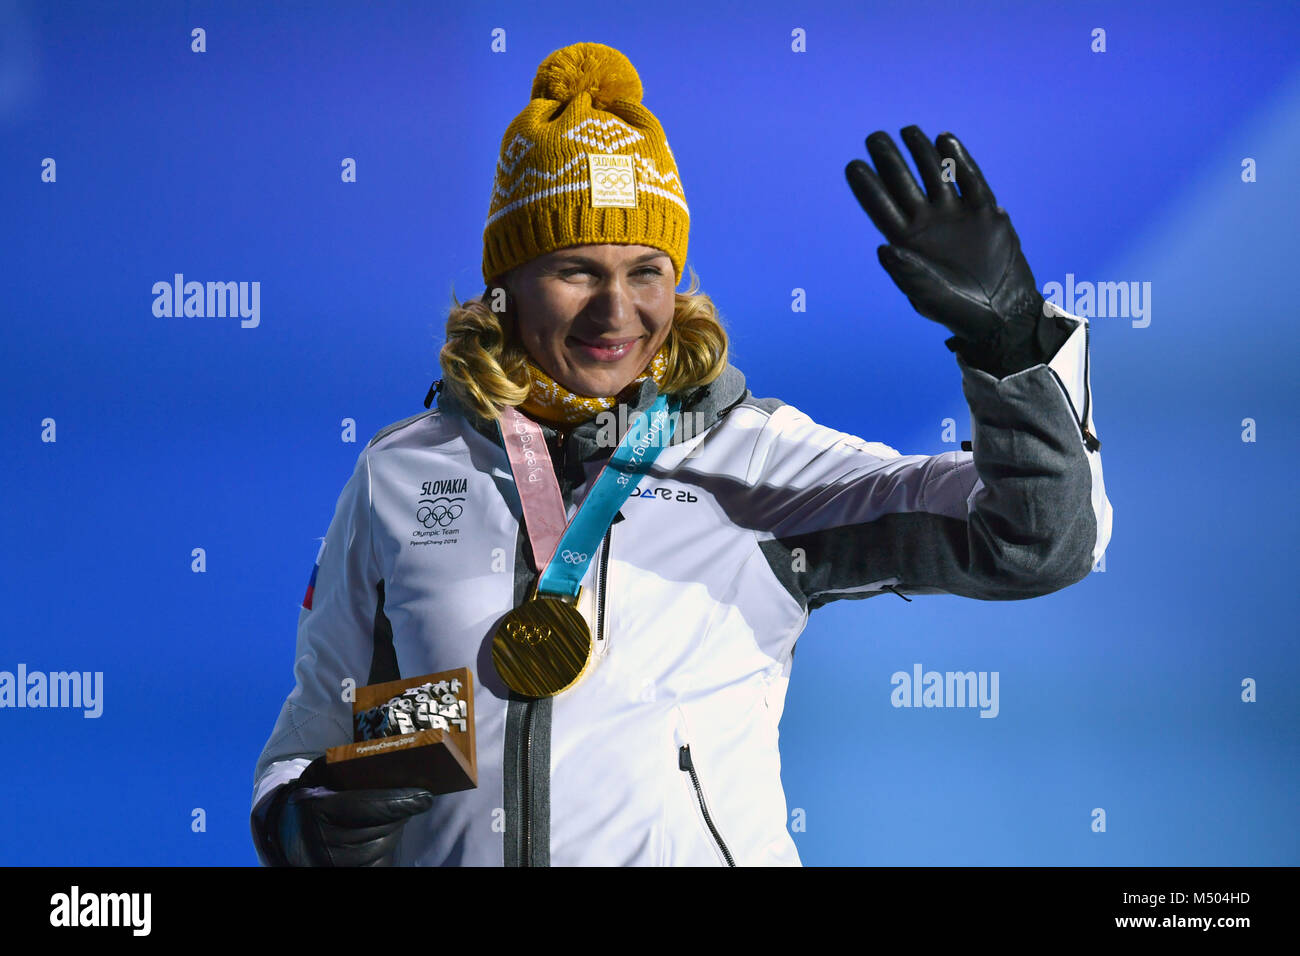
[[306, 824], [955, 257]]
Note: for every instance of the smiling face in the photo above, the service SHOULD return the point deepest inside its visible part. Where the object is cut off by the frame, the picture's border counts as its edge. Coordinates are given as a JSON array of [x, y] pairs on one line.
[[594, 316]]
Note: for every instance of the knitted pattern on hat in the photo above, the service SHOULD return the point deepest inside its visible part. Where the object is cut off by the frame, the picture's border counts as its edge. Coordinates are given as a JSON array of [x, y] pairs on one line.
[[584, 164]]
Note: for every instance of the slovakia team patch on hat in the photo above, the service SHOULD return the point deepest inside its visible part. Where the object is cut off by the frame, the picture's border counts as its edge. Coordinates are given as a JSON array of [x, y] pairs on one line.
[[311, 585]]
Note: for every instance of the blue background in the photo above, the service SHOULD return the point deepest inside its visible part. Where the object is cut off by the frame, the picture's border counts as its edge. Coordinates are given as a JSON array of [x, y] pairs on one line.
[[1121, 692]]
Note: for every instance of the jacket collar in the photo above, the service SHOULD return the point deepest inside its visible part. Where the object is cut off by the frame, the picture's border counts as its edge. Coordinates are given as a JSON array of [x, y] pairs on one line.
[[710, 402]]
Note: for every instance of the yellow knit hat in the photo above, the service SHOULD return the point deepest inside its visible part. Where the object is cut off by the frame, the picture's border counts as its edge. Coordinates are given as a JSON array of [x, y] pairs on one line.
[[584, 163]]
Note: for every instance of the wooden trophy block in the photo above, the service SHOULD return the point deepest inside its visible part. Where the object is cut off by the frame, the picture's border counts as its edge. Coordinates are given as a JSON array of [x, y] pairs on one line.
[[441, 761]]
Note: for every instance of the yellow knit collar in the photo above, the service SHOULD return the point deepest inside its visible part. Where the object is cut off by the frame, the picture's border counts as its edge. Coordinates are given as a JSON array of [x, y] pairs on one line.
[[555, 404]]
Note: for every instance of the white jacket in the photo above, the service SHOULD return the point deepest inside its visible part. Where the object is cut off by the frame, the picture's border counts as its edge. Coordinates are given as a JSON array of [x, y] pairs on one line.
[[666, 751]]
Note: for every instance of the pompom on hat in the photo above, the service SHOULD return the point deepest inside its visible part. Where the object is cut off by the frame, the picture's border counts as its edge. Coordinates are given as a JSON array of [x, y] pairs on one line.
[[584, 163]]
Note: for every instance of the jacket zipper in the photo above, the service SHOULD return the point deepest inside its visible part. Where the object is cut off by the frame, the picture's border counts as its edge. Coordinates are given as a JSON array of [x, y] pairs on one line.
[[525, 804], [1089, 439], [526, 750], [562, 447], [685, 763], [600, 585]]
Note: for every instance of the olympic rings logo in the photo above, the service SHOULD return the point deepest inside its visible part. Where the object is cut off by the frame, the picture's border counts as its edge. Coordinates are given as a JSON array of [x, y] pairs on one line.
[[527, 633], [615, 179], [439, 512], [573, 557]]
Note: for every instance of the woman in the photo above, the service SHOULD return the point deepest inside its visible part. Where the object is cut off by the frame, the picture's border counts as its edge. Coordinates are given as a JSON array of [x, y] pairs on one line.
[[693, 578]]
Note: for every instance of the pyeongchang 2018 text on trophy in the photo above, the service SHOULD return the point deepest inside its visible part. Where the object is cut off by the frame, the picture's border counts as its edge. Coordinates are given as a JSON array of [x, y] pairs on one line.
[[411, 732]]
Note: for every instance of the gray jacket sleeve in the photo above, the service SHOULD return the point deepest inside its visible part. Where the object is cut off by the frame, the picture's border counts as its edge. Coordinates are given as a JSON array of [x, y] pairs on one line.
[[335, 641], [1023, 514]]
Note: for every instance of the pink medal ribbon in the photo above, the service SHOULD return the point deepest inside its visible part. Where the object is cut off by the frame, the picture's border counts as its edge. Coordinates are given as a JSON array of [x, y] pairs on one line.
[[539, 492]]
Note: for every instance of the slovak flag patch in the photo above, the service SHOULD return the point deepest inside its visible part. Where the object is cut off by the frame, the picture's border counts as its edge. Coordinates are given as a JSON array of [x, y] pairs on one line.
[[311, 585]]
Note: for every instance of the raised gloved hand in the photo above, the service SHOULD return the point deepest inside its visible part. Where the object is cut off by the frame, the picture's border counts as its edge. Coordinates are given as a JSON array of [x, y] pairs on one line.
[[306, 824], [955, 257]]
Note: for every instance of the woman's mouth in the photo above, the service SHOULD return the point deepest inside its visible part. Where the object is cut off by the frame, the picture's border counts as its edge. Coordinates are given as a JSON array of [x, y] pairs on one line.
[[610, 350]]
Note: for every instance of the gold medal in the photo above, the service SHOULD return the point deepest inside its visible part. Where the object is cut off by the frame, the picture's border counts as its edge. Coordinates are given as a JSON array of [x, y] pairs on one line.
[[543, 646]]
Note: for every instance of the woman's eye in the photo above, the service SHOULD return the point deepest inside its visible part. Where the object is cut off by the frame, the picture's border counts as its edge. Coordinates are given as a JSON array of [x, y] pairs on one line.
[[646, 270]]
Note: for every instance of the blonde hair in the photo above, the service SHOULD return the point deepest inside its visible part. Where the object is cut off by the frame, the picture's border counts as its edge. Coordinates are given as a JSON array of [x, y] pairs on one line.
[[485, 364]]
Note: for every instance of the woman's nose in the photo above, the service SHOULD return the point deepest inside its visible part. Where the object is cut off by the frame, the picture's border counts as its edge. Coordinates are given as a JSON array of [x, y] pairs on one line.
[[612, 305]]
